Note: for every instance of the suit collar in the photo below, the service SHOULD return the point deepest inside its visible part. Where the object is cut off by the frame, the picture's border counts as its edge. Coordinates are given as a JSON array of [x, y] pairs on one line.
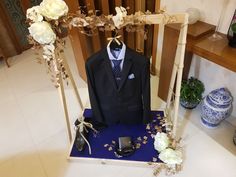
[[121, 55]]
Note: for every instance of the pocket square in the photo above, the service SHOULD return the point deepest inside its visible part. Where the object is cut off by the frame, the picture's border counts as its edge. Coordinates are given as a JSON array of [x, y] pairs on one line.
[[131, 76]]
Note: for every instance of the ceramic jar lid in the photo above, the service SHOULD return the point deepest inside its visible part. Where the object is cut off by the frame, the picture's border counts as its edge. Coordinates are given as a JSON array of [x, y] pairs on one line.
[[220, 96]]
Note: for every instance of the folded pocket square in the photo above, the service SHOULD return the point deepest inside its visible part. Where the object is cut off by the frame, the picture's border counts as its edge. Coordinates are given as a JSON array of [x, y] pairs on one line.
[[131, 76]]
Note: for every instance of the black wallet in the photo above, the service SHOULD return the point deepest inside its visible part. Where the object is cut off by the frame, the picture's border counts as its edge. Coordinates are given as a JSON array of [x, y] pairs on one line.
[[125, 147]]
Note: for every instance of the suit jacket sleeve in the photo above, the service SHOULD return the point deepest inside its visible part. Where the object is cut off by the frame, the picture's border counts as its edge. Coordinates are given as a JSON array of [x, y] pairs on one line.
[[97, 115], [146, 92]]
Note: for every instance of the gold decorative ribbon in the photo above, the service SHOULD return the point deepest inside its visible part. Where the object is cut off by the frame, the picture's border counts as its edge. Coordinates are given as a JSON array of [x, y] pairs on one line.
[[110, 39], [84, 125]]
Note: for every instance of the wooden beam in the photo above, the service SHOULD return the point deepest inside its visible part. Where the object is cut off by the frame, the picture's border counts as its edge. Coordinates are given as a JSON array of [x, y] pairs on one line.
[[105, 11], [140, 6], [10, 28], [96, 44], [130, 36], [154, 43], [121, 31], [150, 6], [80, 51], [25, 4]]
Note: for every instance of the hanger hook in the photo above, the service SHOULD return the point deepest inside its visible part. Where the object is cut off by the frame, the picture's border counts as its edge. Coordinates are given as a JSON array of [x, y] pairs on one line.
[[115, 34]]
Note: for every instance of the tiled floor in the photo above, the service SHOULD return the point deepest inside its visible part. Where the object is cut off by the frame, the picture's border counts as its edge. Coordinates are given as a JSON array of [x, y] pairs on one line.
[[34, 143]]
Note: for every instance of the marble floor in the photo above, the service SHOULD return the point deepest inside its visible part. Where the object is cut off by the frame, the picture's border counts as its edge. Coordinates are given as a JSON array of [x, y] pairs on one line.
[[33, 136]]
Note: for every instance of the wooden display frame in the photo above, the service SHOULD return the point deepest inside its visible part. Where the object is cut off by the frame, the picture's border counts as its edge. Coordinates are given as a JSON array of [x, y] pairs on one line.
[[160, 19], [106, 161]]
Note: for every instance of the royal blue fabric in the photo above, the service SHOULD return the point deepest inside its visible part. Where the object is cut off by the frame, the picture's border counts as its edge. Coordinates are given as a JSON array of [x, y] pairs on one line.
[[145, 153]]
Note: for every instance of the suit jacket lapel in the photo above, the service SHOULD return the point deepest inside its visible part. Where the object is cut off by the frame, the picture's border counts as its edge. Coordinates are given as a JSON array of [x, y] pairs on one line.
[[126, 68]]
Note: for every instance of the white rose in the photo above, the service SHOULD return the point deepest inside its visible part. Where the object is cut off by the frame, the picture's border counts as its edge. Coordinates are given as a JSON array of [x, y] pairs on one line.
[[53, 9], [42, 32], [161, 141], [171, 157], [118, 19], [33, 14]]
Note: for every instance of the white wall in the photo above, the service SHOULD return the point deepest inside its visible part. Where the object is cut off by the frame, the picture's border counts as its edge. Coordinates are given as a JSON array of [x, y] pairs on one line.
[[212, 75], [210, 10]]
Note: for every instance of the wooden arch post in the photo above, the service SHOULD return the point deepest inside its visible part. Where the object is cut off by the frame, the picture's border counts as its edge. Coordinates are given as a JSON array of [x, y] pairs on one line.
[[177, 70]]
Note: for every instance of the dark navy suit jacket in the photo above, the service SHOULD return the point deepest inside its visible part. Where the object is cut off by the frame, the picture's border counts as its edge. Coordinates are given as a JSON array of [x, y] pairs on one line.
[[128, 104]]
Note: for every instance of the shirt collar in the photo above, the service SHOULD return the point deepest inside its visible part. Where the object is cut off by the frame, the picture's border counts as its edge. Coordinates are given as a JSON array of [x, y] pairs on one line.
[[121, 55]]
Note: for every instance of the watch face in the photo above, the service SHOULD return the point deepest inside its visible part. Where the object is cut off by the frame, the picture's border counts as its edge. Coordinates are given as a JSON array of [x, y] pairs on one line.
[[232, 25], [125, 142], [125, 147]]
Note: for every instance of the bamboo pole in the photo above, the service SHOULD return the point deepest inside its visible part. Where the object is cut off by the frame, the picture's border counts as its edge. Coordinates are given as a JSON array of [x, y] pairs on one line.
[[64, 104], [172, 83], [180, 52], [62, 93], [67, 68]]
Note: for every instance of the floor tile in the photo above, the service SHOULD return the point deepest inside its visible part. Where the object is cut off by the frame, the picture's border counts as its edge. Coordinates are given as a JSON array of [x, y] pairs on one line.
[[27, 77], [46, 118], [82, 169], [14, 133], [5, 88], [7, 169], [53, 154], [223, 134], [28, 164], [43, 114], [207, 158]]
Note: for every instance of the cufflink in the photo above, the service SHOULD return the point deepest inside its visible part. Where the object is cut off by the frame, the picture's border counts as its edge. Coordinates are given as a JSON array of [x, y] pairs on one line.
[[131, 76]]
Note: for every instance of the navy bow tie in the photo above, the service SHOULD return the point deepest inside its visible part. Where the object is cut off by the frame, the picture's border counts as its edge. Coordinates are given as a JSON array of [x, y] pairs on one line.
[[117, 71]]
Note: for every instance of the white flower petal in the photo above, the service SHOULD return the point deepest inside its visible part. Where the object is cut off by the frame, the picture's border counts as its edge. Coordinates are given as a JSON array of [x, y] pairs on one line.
[[118, 19], [161, 141], [53, 9], [171, 157], [42, 32], [34, 14]]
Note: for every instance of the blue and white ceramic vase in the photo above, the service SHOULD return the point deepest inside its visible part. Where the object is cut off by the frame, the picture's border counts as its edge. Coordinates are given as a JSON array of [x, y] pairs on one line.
[[216, 107]]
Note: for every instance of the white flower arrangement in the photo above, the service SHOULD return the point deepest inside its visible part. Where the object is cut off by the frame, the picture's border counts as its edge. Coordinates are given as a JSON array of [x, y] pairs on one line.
[[161, 141], [169, 153], [53, 9], [48, 10], [44, 21]]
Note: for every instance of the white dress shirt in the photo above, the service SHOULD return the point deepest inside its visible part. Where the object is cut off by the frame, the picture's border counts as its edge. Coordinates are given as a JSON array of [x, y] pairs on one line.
[[117, 55]]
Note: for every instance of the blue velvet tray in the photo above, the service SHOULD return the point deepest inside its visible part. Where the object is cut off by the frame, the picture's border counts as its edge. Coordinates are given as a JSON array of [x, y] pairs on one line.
[[145, 153]]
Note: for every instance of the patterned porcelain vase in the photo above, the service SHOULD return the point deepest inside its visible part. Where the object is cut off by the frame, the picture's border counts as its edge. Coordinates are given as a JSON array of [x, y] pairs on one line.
[[216, 107]]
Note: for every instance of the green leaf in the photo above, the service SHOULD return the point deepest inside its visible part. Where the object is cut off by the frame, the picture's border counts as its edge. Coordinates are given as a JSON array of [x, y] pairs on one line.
[[191, 90]]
